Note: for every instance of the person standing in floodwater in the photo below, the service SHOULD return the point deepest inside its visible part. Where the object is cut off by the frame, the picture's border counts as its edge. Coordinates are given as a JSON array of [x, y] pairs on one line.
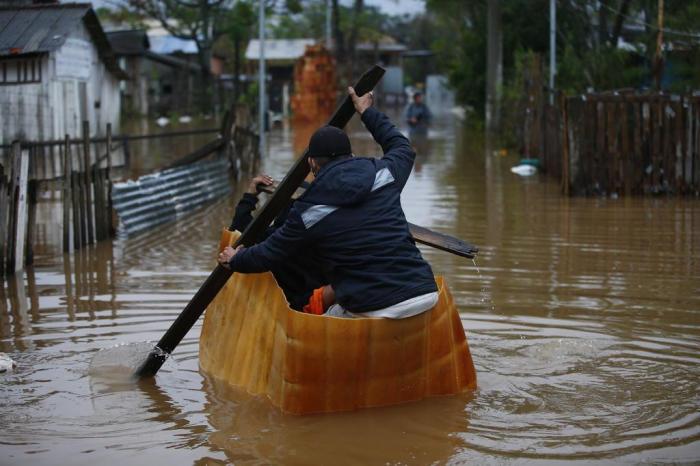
[[418, 116]]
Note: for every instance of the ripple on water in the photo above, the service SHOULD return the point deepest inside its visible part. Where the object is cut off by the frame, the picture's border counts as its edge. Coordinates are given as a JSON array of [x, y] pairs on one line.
[[567, 398]]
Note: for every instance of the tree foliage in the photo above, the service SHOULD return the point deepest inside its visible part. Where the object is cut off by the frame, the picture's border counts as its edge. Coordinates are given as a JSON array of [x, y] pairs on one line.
[[588, 31]]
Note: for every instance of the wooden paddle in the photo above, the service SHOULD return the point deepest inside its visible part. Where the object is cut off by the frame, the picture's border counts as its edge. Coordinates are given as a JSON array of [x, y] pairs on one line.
[[279, 200], [422, 235]]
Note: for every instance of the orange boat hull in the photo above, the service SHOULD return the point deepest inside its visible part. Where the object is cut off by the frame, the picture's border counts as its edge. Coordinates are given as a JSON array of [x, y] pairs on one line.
[[315, 364]]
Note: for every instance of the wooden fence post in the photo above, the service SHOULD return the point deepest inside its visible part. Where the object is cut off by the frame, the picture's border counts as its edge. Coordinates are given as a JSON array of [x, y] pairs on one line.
[[18, 208], [97, 201], [3, 218], [79, 232], [227, 148], [67, 194], [564, 145], [127, 153], [88, 183], [32, 187], [626, 153], [108, 175]]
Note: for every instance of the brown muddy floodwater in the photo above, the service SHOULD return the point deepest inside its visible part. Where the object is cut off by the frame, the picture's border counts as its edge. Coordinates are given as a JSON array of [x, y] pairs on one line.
[[583, 317]]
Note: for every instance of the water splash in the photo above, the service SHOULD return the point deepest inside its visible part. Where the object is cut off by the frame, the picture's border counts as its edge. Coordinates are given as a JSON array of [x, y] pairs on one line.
[[477, 266], [485, 298], [118, 363]]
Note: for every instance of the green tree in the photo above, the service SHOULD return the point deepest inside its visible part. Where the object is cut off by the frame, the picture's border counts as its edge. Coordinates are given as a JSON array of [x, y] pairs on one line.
[[587, 37], [203, 21]]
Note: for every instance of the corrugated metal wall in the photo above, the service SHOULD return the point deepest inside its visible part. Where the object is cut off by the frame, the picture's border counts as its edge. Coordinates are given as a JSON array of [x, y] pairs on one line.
[[167, 195]]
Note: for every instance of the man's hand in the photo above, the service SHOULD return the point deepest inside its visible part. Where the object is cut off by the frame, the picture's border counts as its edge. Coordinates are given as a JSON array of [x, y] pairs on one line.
[[361, 103], [260, 179], [227, 254]]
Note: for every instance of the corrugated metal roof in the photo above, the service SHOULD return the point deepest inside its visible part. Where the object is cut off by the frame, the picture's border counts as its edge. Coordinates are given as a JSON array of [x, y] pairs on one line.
[[278, 49], [41, 28]]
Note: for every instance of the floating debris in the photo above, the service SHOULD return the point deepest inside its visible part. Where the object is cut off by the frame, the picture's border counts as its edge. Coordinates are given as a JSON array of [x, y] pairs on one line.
[[524, 170], [6, 363]]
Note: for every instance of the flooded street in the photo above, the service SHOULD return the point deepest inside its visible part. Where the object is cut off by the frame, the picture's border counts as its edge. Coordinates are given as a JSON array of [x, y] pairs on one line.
[[582, 314]]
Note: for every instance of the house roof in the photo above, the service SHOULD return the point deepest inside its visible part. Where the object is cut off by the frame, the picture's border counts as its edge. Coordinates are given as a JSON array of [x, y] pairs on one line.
[[44, 28], [134, 42], [278, 49], [129, 42]]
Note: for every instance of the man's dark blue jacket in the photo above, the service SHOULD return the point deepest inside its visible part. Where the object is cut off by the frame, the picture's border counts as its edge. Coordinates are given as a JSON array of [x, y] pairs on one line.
[[351, 219], [297, 277]]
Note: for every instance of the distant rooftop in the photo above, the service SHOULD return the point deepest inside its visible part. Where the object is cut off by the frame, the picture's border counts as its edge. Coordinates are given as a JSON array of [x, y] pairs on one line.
[[278, 49]]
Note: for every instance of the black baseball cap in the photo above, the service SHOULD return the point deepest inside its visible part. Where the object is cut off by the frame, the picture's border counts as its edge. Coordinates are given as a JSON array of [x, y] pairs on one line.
[[329, 141]]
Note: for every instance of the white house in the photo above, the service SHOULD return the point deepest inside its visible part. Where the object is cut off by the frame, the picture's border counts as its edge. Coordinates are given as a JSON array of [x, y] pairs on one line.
[[56, 69]]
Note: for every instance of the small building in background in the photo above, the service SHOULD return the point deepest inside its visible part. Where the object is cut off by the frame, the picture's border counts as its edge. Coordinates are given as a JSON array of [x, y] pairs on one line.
[[175, 71], [57, 69], [158, 83], [389, 53], [280, 57], [131, 47]]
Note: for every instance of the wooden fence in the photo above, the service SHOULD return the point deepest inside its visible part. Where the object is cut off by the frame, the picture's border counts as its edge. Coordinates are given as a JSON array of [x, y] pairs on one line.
[[81, 170], [618, 143]]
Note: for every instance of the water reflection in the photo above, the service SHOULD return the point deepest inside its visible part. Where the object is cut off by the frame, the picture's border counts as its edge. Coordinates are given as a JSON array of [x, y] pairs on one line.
[[250, 429], [421, 145]]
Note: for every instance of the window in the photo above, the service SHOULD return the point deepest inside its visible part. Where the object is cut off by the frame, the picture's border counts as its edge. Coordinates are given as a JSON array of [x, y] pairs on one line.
[[20, 70]]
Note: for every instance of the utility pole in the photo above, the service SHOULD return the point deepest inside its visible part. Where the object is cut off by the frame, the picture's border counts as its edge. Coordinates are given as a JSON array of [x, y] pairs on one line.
[[328, 24], [261, 75], [659, 59], [552, 48], [494, 67]]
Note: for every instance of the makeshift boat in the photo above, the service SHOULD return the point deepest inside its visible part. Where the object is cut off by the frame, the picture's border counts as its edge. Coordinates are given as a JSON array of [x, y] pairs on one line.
[[307, 363]]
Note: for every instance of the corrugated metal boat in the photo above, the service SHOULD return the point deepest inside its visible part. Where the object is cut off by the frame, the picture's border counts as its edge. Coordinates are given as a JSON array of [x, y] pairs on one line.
[[306, 363]]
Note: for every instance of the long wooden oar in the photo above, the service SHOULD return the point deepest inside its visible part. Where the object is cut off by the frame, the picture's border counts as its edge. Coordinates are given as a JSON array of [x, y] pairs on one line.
[[279, 200], [422, 235]]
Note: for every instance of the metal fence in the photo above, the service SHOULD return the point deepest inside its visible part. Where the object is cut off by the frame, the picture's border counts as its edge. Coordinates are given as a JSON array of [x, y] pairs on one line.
[[168, 195]]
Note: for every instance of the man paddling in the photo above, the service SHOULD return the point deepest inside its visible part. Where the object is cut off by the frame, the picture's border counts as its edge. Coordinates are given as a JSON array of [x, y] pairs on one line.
[[300, 278], [350, 218]]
